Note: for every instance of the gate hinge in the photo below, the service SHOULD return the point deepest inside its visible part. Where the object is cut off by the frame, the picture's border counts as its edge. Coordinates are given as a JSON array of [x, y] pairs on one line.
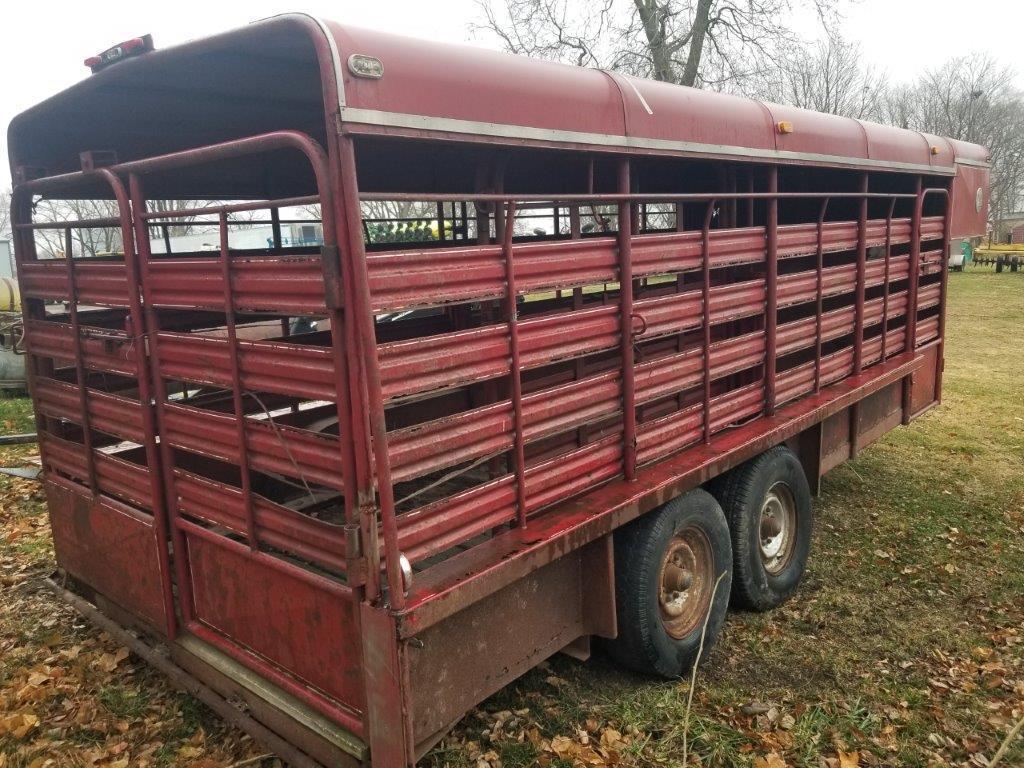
[[353, 541], [331, 265]]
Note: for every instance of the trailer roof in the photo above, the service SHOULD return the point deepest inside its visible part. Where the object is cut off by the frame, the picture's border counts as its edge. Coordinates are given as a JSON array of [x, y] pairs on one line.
[[466, 90], [292, 70]]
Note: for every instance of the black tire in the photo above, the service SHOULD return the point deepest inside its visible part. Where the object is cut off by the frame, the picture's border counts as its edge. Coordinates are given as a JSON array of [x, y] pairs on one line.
[[650, 640], [760, 581]]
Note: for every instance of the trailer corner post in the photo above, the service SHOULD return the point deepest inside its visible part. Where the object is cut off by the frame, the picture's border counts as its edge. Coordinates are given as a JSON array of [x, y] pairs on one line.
[[366, 330], [625, 248], [771, 311], [940, 361], [913, 273]]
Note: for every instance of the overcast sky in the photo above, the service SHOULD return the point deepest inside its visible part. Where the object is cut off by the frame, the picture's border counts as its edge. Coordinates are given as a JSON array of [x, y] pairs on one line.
[[43, 44]]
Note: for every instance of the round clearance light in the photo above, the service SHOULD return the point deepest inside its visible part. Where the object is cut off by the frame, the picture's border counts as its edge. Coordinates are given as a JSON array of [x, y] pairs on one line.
[[361, 65], [784, 127]]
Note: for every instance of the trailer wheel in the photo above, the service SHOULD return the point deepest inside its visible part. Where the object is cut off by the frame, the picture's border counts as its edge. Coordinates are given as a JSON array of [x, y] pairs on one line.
[[666, 567], [767, 502]]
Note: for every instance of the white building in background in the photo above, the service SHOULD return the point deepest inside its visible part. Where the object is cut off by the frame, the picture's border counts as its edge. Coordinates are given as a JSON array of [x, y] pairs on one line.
[[255, 236]]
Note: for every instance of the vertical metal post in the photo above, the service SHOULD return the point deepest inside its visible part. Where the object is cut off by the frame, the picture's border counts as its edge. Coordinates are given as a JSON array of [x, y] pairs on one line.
[[771, 289], [940, 360], [914, 269], [862, 265], [680, 212], [819, 269], [275, 226], [910, 318], [625, 243], [706, 316], [575, 233], [152, 322], [236, 385], [750, 202], [363, 316], [885, 285], [80, 372], [440, 222], [515, 372]]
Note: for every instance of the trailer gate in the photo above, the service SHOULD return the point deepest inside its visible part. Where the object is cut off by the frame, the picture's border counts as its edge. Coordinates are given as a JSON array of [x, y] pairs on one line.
[[271, 493]]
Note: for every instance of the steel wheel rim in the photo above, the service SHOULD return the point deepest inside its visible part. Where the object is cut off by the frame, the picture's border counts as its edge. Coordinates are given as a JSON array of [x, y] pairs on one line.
[[776, 530], [684, 581]]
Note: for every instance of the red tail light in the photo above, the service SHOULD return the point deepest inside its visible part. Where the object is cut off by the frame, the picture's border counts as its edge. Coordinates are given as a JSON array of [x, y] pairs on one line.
[[133, 47]]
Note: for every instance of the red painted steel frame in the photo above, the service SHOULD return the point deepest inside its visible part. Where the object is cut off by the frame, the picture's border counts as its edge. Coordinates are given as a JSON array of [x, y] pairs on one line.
[[472, 575], [625, 456], [181, 528], [512, 315], [24, 252]]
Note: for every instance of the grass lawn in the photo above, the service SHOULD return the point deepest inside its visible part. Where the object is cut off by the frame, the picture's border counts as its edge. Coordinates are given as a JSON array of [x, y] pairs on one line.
[[903, 647]]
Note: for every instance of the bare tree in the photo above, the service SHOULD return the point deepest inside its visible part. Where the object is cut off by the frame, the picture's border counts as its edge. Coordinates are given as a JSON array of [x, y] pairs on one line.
[[92, 241], [971, 98], [826, 77], [5, 214], [702, 43]]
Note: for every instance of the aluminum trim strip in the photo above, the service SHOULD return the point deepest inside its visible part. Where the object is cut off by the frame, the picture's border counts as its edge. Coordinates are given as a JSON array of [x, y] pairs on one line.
[[975, 163], [498, 130]]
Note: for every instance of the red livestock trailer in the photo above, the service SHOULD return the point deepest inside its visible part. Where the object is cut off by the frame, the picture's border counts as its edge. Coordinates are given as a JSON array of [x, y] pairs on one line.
[[344, 491]]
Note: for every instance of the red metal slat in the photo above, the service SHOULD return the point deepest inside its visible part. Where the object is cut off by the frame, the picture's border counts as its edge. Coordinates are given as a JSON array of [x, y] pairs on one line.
[[215, 503], [404, 279], [801, 287], [124, 479], [438, 526], [485, 431], [413, 278], [434, 362], [435, 527], [113, 414], [102, 349], [799, 334], [98, 281], [273, 448], [293, 284], [676, 431], [266, 366], [115, 477]]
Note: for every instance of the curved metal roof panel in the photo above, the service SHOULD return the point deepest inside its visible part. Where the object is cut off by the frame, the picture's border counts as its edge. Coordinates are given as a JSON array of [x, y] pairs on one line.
[[427, 84]]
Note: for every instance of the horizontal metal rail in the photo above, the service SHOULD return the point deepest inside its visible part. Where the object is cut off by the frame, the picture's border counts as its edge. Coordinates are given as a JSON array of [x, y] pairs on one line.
[[255, 205], [622, 197]]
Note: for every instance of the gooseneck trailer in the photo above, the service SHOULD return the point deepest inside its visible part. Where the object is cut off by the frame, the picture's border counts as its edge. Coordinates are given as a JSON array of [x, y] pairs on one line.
[[344, 491]]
